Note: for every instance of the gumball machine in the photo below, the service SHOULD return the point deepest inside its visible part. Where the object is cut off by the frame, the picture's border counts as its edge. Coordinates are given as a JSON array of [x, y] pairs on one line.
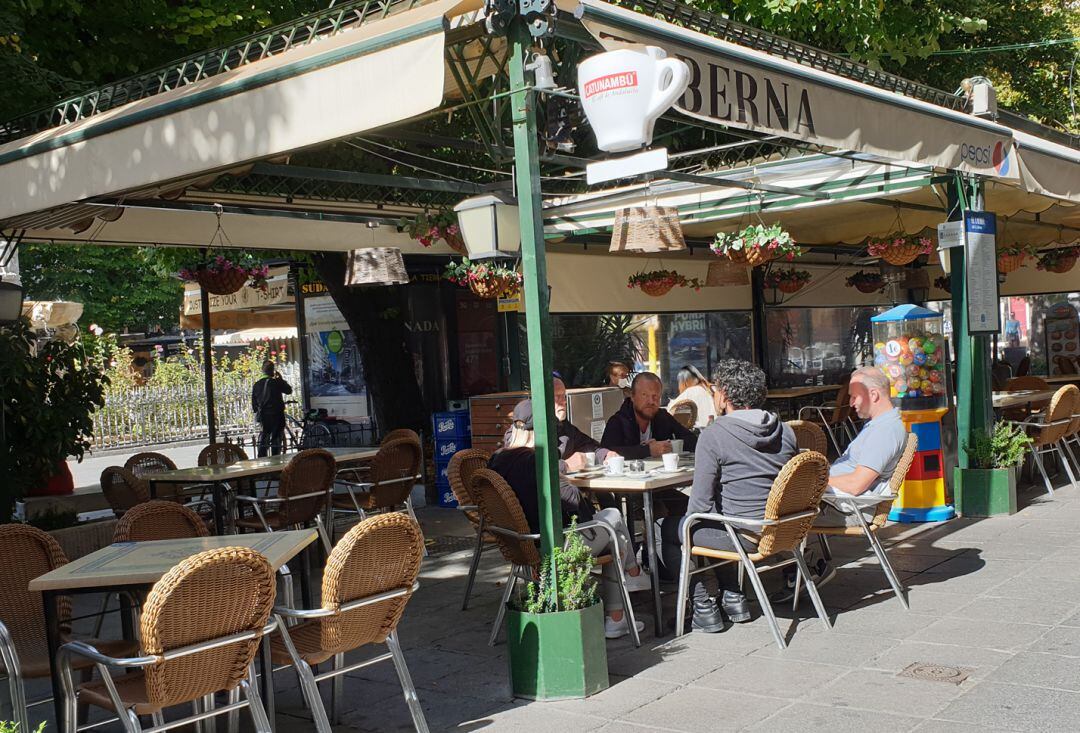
[[910, 349]]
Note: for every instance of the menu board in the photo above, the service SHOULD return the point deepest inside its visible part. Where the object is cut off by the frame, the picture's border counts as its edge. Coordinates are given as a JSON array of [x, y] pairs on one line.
[[981, 269]]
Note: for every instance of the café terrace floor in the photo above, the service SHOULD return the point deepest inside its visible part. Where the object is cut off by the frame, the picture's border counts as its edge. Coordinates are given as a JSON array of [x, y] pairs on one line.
[[997, 600]]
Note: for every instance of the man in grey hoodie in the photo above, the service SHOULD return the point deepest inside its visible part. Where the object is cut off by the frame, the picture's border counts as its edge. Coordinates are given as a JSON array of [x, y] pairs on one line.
[[737, 459]]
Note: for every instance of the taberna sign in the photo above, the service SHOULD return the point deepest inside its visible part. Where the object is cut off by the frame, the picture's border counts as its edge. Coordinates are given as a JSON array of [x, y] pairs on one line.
[[623, 92], [744, 88]]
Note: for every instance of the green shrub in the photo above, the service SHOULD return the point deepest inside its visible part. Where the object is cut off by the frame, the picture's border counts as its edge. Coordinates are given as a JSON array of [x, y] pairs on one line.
[[9, 727], [1005, 447], [566, 582]]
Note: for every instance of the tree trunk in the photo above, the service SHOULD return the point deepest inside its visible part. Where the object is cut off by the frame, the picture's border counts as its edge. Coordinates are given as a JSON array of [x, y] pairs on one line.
[[377, 316]]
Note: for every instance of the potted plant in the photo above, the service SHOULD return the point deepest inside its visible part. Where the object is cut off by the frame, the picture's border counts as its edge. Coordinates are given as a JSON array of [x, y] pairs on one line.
[[555, 635], [1012, 257], [427, 228], [943, 283], [1059, 259], [866, 282], [756, 244], [900, 249], [660, 282], [486, 279], [787, 281], [224, 276], [989, 486]]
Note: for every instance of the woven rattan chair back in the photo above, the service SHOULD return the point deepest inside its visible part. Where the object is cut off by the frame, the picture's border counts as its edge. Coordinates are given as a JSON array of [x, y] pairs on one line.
[[500, 507], [29, 553], [221, 454], [309, 472], [809, 436], [1062, 406], [797, 488], [685, 413], [122, 489], [142, 464], [907, 458], [399, 434], [396, 460], [463, 465], [159, 520], [208, 596], [842, 411], [380, 554]]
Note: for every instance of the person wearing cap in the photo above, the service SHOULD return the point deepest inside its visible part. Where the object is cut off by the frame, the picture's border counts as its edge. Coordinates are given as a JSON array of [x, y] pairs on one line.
[[516, 462], [640, 429], [573, 444]]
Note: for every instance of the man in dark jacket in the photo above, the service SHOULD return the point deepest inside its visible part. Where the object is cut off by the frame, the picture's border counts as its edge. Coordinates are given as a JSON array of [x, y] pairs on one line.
[[640, 429], [268, 404], [737, 459]]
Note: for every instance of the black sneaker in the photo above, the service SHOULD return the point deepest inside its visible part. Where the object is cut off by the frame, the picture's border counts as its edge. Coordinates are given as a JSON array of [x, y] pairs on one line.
[[707, 617], [821, 570], [735, 606]]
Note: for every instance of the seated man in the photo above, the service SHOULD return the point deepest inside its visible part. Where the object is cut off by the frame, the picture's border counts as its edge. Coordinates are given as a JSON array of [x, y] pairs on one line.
[[516, 463], [573, 444], [737, 459], [640, 429]]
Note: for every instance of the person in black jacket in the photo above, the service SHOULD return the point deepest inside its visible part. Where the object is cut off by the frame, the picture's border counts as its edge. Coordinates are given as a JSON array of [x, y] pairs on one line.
[[640, 429], [268, 404]]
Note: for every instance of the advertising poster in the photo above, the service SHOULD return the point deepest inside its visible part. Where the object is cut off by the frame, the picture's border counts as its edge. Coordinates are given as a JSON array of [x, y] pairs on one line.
[[1062, 338], [335, 375]]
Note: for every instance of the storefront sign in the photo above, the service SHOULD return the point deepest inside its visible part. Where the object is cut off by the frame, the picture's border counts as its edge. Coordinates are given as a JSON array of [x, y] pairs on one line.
[[980, 230], [277, 292]]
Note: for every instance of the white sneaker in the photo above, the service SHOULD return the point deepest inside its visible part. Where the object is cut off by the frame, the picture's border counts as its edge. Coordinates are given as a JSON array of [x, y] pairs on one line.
[[638, 582], [617, 629]]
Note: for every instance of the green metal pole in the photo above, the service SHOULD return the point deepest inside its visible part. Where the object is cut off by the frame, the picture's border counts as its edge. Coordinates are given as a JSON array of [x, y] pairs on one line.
[[527, 182]]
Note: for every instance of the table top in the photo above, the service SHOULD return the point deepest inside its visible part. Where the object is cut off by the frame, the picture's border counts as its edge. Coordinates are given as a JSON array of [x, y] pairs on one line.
[[631, 484], [1021, 397], [1062, 379], [143, 563], [790, 393], [252, 467]]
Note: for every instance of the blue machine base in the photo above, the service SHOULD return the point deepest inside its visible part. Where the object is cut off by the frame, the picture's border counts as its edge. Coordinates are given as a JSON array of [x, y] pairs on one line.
[[933, 514]]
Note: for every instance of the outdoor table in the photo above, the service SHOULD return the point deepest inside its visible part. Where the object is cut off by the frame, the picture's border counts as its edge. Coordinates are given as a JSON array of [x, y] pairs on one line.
[[136, 566], [1063, 379], [1020, 398], [791, 394], [643, 486], [219, 476]]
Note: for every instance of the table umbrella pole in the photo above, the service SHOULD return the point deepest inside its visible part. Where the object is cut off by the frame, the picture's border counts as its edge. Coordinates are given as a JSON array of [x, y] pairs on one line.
[[208, 364]]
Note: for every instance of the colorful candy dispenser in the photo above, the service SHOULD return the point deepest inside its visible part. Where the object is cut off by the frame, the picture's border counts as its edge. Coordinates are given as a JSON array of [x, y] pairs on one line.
[[909, 347]]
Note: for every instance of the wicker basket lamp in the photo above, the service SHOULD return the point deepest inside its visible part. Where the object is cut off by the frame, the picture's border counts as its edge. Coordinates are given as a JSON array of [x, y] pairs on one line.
[[647, 229], [376, 266]]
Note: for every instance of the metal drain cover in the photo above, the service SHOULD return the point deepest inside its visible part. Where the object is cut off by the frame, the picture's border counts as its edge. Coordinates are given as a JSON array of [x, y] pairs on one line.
[[937, 672]]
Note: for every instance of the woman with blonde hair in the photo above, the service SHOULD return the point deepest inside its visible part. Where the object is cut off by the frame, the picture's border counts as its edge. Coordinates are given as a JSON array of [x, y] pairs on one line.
[[694, 387]]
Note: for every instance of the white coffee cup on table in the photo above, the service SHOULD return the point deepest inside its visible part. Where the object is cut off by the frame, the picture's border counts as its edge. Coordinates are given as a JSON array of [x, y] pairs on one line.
[[676, 445], [671, 462], [615, 465], [590, 460]]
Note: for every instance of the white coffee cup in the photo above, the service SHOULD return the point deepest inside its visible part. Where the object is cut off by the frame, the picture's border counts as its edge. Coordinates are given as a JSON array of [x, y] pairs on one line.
[[615, 465], [676, 445], [590, 459], [671, 461], [624, 91]]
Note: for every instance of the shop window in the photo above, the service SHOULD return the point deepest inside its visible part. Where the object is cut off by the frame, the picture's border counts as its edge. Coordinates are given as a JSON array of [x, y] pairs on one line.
[[816, 345]]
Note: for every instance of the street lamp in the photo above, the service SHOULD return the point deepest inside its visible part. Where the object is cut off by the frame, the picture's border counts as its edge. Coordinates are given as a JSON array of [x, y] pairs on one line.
[[489, 225], [11, 300]]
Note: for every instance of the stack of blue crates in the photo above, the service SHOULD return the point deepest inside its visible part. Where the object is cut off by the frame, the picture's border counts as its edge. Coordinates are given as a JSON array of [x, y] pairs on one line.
[[452, 433]]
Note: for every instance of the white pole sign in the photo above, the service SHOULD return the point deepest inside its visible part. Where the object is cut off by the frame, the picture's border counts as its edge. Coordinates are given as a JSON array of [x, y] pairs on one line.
[[980, 262]]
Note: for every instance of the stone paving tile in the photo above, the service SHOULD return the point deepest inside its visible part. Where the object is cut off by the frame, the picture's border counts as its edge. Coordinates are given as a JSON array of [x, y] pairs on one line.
[[862, 689], [899, 657], [786, 678], [618, 700], [677, 667], [1023, 610], [886, 619], [1028, 709], [981, 633], [937, 600], [1036, 588], [1063, 640], [947, 726], [524, 719], [1039, 670], [699, 709], [847, 650], [809, 717]]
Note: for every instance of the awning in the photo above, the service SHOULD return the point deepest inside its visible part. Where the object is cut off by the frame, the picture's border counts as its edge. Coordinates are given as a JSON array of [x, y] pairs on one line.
[[743, 88], [252, 335], [1048, 168], [306, 96]]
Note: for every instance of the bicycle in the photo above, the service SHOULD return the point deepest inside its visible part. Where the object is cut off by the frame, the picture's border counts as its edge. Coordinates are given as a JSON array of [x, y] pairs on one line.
[[309, 431]]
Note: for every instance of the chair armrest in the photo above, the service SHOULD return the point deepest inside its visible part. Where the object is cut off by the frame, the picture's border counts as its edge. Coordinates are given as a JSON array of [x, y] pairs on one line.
[[82, 649], [352, 484], [748, 523], [861, 500], [468, 508], [819, 409], [511, 533], [1041, 424]]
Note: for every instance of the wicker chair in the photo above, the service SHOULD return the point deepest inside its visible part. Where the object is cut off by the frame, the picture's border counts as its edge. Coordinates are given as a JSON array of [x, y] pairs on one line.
[[388, 488], [789, 512], [359, 469], [159, 520], [200, 628], [835, 419], [809, 436], [221, 454], [463, 465], [685, 413], [399, 434], [369, 578], [302, 496], [144, 465], [24, 649], [882, 506], [1048, 431], [503, 516], [122, 489]]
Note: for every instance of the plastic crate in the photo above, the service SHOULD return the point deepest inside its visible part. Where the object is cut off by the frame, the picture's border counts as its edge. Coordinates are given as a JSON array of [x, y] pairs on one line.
[[446, 496], [450, 425], [444, 449], [441, 472]]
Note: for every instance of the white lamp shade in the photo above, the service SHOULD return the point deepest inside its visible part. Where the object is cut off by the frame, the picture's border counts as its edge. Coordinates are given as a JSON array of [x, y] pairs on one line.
[[11, 300], [489, 225]]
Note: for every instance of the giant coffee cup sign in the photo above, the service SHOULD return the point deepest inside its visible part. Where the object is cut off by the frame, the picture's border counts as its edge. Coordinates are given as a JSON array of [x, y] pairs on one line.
[[623, 92]]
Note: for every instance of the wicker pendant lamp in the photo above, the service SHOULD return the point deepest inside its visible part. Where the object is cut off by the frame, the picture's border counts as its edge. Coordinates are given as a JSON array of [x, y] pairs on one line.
[[647, 229], [376, 266]]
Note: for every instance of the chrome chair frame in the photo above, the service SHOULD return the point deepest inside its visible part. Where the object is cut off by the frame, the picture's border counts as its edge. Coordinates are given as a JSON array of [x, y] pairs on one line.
[[1056, 447], [824, 412], [205, 707], [480, 549], [309, 681], [16, 688], [753, 525], [352, 486]]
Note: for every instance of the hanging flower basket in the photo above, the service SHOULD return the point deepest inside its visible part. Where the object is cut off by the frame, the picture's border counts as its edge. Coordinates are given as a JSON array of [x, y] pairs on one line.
[[943, 283], [222, 276], [1013, 257], [660, 282], [1061, 259], [486, 280], [787, 281], [756, 244], [900, 249], [866, 282], [427, 228]]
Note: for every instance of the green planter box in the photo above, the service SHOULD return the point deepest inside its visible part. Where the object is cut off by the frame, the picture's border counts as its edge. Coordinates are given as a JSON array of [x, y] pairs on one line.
[[984, 492], [557, 656]]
